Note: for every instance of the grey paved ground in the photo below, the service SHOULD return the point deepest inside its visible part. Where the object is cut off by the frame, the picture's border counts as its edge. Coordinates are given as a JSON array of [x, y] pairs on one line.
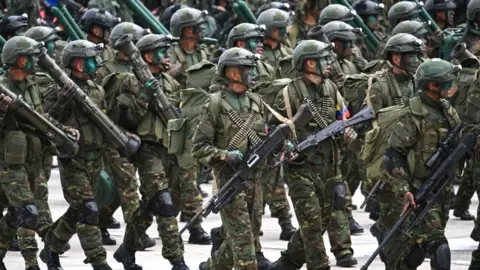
[[457, 232]]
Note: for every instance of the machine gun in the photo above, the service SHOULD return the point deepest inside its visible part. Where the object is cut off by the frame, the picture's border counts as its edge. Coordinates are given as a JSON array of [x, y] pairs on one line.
[[451, 152], [320, 136], [67, 146], [237, 183], [127, 143], [165, 109]]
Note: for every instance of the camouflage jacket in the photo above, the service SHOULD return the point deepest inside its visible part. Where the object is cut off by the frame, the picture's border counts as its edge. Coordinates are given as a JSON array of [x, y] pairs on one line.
[[273, 57], [181, 61]]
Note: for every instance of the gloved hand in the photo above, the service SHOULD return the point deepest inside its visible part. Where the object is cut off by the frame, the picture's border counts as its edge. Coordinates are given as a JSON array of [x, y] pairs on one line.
[[74, 133], [350, 134], [234, 156], [66, 93], [288, 147], [150, 87], [4, 103]]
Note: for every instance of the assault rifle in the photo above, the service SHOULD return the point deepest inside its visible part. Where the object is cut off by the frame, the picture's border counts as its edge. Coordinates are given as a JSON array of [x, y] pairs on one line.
[[238, 182], [450, 152], [329, 131]]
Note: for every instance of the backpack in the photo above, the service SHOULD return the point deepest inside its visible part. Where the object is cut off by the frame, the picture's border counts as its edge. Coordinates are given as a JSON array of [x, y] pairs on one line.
[[269, 90], [355, 87]]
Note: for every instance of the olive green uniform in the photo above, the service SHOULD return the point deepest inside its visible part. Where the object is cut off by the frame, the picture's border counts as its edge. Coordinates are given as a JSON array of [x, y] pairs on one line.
[[274, 56], [179, 57]]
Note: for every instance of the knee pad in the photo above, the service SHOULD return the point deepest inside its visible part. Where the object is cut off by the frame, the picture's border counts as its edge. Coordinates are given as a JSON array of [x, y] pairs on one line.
[[441, 256], [89, 213], [162, 204], [415, 258], [71, 216], [339, 196], [12, 217], [29, 216]]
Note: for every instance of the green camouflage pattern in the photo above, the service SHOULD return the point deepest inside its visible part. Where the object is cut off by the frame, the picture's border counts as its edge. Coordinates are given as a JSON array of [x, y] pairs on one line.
[[19, 7], [182, 60]]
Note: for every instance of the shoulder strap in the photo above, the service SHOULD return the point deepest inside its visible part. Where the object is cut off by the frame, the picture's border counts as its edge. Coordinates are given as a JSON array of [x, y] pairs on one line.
[[369, 102], [180, 56], [288, 105], [215, 103]]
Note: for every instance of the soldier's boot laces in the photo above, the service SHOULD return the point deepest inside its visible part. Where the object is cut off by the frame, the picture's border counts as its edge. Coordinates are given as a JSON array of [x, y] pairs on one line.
[[283, 264], [50, 258], [33, 268], [126, 256], [179, 264], [14, 245], [148, 242], [199, 236], [202, 266], [475, 235], [101, 267], [287, 231], [262, 262], [346, 260], [355, 228], [463, 214], [109, 223], [107, 240]]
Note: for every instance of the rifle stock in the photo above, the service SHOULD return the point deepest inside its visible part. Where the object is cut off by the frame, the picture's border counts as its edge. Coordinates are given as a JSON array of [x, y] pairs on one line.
[[238, 181]]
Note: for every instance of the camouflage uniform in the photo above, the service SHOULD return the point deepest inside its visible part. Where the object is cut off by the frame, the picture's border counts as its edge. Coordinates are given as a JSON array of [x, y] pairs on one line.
[[298, 29], [241, 219], [117, 8], [19, 7]]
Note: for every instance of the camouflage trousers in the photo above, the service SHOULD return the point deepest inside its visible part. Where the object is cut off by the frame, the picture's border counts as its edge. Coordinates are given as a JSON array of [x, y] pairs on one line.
[[15, 191], [400, 249], [241, 223], [77, 176], [123, 173], [468, 183], [152, 161], [276, 197], [185, 194], [311, 190]]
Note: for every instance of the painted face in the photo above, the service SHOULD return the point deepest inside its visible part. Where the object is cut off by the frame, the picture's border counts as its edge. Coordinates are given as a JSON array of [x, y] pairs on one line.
[[410, 62], [50, 45], [343, 48], [323, 65], [89, 65], [255, 45], [29, 65], [373, 22], [249, 75], [161, 58], [448, 90]]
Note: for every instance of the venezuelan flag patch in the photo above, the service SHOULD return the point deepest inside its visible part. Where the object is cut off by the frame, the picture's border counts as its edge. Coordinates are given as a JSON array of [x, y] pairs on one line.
[[341, 113]]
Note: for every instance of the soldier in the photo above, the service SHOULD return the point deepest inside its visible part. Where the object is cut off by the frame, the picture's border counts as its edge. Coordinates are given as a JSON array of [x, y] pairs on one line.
[[23, 187], [98, 24], [434, 78], [315, 183], [29, 8], [420, 31], [371, 13], [343, 35], [442, 12], [250, 37], [306, 17], [13, 25], [188, 25], [118, 9], [472, 34], [78, 173], [403, 11], [274, 48], [236, 69], [138, 113], [185, 192]]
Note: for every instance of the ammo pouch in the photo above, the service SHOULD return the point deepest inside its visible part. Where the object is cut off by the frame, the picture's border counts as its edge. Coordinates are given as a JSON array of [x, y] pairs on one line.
[[15, 145], [34, 148], [176, 135]]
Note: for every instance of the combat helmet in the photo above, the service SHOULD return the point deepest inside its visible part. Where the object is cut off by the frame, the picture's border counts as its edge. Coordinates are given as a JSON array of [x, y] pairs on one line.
[[365, 8], [185, 17], [168, 13], [13, 25], [95, 16], [152, 42], [244, 31], [42, 34], [415, 28], [19, 46], [403, 43], [127, 28], [236, 57], [433, 5], [472, 9], [335, 12], [278, 5], [273, 18], [436, 70], [81, 49], [310, 49], [338, 30], [401, 11]]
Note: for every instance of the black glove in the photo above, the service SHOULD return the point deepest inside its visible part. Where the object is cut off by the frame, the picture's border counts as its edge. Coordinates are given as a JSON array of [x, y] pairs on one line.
[[67, 92], [150, 87], [5, 102]]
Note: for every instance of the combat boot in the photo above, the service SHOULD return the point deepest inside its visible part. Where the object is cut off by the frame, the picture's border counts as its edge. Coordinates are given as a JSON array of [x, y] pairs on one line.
[[14, 245], [287, 231], [101, 267], [2, 266], [148, 242], [107, 240], [202, 266], [32, 268], [199, 236], [355, 228], [463, 214], [126, 256], [217, 240], [66, 248], [283, 264], [475, 235], [179, 264], [262, 262], [109, 223], [346, 260], [50, 258]]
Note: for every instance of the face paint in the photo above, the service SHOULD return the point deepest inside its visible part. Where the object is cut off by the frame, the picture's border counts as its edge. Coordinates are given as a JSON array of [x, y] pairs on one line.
[[159, 56], [282, 33], [201, 29], [249, 76], [50, 48], [448, 90], [343, 49], [29, 65], [373, 22], [409, 62], [255, 45], [89, 65], [322, 66]]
